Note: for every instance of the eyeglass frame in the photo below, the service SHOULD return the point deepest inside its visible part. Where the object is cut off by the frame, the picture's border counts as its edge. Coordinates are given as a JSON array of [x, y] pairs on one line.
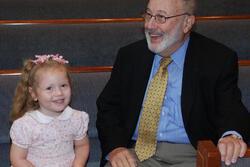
[[162, 16]]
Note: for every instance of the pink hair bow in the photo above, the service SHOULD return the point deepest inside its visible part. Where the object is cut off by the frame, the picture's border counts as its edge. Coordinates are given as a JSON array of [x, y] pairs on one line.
[[43, 58]]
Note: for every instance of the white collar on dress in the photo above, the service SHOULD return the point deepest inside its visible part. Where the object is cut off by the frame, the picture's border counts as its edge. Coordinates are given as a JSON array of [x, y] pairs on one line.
[[42, 118]]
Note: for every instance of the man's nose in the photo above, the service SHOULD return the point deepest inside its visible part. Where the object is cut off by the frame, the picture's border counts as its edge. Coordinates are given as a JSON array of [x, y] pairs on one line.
[[151, 23]]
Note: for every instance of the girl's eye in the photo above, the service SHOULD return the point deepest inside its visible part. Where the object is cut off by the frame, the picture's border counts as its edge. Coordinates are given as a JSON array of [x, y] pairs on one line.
[[64, 85], [49, 88]]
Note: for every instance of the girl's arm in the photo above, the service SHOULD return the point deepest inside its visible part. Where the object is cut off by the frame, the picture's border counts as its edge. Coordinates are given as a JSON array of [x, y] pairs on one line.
[[18, 157], [81, 152]]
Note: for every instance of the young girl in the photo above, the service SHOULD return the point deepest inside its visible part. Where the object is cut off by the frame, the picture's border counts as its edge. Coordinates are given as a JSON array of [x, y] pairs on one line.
[[46, 132]]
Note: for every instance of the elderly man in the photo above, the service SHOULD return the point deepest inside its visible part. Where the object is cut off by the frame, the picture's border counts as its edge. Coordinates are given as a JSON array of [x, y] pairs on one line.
[[169, 91]]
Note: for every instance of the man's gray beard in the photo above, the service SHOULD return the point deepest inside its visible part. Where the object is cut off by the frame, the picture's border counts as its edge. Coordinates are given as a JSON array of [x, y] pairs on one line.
[[161, 47]]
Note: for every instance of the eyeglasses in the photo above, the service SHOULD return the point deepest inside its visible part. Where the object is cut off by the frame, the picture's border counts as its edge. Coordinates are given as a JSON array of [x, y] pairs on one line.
[[160, 19]]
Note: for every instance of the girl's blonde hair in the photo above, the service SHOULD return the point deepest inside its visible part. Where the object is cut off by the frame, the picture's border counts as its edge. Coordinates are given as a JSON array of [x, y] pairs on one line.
[[23, 101]]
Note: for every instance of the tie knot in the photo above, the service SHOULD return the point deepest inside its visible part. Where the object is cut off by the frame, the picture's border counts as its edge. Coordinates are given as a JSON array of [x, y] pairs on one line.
[[165, 62]]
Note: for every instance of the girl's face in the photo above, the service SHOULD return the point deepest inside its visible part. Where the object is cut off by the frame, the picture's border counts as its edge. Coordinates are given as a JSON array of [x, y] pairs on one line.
[[52, 90]]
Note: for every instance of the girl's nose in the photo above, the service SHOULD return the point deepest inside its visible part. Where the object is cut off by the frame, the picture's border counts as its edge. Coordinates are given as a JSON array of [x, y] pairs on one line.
[[58, 92]]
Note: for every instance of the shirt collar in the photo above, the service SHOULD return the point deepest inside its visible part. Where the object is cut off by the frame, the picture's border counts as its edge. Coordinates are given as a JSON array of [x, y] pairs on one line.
[[42, 118], [178, 56]]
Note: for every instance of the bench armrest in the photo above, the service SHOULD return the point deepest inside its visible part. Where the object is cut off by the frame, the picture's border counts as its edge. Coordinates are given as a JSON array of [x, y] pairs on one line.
[[208, 155]]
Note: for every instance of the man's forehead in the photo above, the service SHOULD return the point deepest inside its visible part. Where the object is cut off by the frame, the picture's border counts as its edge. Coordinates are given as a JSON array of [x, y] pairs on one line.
[[164, 6]]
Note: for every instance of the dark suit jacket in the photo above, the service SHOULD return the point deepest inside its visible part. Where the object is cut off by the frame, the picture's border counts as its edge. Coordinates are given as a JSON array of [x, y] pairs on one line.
[[211, 100]]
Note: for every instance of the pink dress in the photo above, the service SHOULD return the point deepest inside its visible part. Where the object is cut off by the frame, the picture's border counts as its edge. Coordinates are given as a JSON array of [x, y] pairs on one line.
[[50, 140]]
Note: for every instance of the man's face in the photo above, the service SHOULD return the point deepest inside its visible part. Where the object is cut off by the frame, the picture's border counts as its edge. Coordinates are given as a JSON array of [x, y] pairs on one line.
[[165, 38]]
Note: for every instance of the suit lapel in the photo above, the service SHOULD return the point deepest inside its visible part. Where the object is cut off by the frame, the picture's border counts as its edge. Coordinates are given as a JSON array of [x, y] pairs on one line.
[[142, 73], [189, 82]]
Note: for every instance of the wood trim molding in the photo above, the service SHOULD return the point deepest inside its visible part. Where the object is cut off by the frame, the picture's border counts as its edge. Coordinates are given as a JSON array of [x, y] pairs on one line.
[[69, 21], [244, 62], [239, 17], [93, 68], [71, 69], [248, 152], [109, 20]]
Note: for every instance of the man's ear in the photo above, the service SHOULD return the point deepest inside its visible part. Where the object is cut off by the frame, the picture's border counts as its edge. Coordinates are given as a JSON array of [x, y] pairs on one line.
[[32, 93], [188, 23]]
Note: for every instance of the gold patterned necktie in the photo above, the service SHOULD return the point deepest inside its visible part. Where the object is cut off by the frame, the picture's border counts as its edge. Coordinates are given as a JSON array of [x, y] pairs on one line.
[[146, 142]]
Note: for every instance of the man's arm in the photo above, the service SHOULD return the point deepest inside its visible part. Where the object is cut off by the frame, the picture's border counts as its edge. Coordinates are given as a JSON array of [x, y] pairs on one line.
[[112, 113], [232, 114]]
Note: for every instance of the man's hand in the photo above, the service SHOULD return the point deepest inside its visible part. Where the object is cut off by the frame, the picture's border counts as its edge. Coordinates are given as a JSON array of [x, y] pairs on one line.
[[231, 147], [122, 157]]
